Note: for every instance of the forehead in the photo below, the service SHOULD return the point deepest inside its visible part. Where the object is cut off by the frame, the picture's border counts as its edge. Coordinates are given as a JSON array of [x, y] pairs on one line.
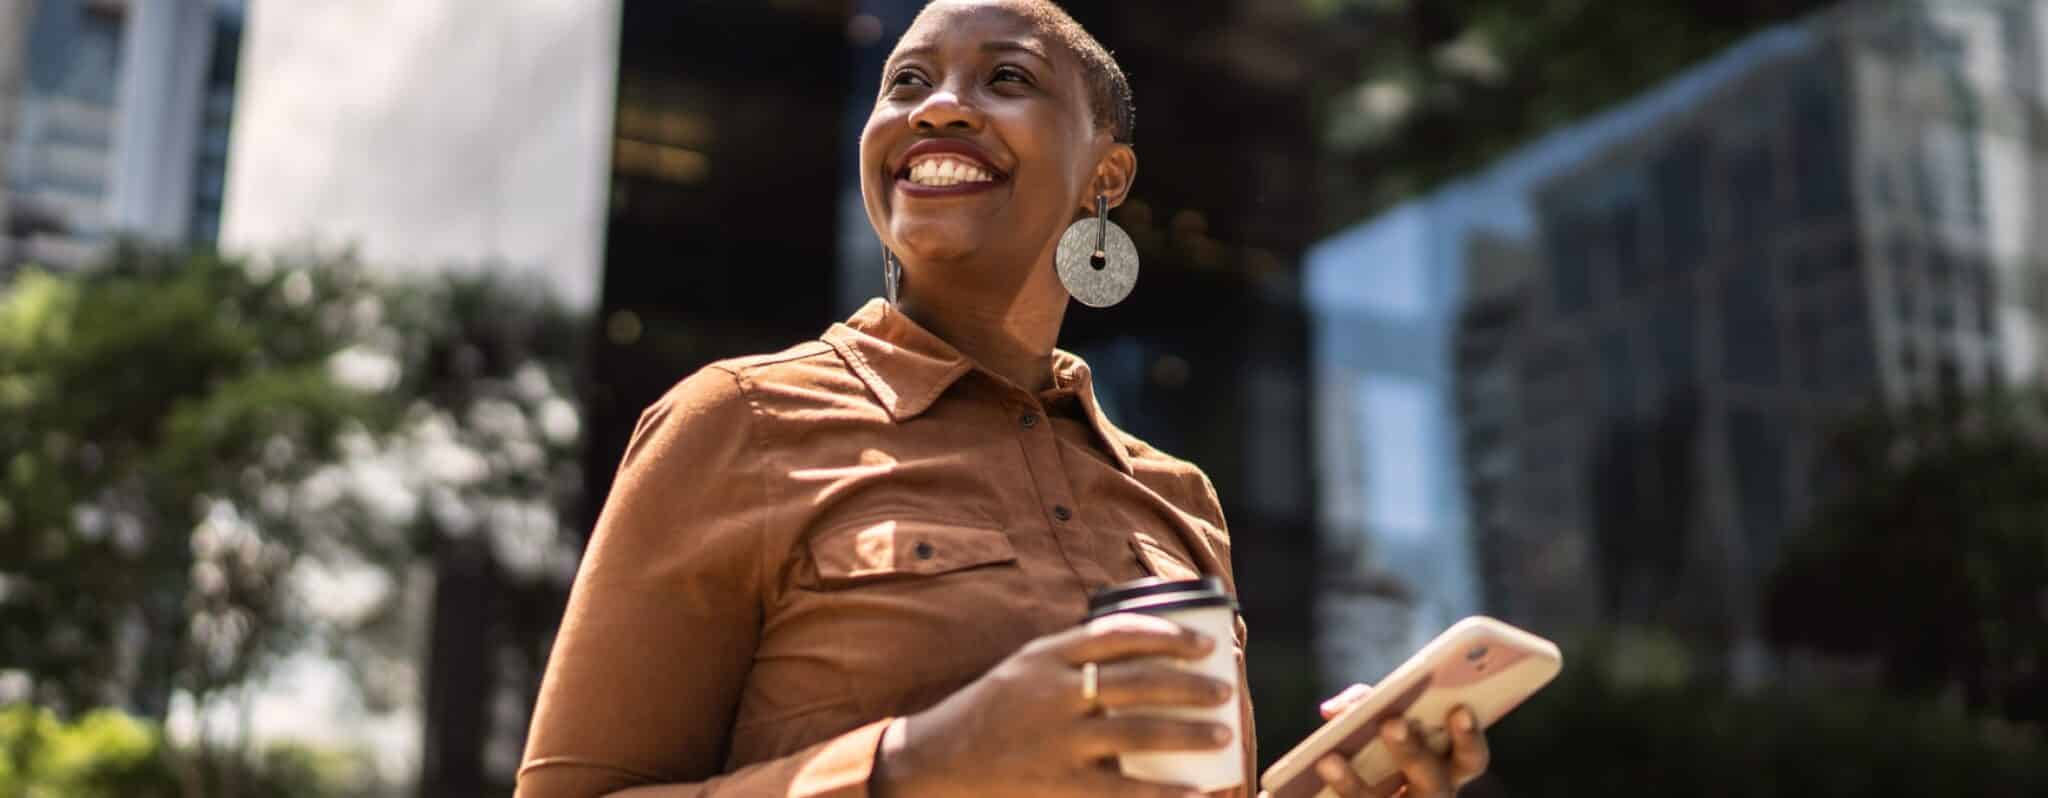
[[971, 24]]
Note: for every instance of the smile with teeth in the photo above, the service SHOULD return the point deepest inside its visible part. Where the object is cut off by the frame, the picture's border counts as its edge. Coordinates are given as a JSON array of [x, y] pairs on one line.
[[938, 171]]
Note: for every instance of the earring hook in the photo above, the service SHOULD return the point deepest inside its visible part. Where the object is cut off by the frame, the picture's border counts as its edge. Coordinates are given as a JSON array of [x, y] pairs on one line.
[[1099, 259]]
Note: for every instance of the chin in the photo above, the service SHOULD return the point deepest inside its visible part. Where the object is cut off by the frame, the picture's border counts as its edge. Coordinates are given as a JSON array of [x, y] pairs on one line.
[[937, 242]]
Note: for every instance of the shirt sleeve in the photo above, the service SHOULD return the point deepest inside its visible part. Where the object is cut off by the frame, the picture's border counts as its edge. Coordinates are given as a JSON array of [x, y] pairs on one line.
[[662, 623]]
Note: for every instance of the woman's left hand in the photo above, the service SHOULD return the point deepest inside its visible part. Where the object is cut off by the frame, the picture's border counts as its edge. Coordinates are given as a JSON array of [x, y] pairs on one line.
[[1424, 773]]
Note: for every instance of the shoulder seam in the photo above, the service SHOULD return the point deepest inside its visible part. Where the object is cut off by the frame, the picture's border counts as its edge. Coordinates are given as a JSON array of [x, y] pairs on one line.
[[797, 352]]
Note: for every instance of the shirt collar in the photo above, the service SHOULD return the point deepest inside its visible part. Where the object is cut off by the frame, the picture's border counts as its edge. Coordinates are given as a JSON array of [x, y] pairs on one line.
[[907, 368]]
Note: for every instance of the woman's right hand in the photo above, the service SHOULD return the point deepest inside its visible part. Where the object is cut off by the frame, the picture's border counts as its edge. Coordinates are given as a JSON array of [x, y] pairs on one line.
[[1025, 729]]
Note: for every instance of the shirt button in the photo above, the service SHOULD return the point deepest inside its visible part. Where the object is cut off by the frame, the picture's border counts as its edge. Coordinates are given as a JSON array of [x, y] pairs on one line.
[[923, 550], [1061, 512], [1029, 420]]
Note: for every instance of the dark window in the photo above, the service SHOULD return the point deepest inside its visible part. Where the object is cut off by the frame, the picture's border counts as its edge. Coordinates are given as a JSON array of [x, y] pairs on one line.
[[1751, 199], [1756, 452], [1850, 362], [1569, 244], [1809, 339], [1905, 275], [1749, 331], [1626, 247], [1617, 373], [1845, 258], [1680, 187], [1671, 331], [1818, 146]]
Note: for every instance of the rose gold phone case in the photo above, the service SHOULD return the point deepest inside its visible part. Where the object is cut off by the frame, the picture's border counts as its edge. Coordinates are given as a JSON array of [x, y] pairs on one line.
[[1479, 662]]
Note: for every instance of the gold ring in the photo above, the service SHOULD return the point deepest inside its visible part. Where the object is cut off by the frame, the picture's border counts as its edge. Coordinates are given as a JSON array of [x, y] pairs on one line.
[[1090, 683]]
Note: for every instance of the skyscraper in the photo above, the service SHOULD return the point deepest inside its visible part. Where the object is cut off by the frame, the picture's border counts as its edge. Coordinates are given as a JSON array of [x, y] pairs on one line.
[[14, 17], [1670, 304], [118, 125]]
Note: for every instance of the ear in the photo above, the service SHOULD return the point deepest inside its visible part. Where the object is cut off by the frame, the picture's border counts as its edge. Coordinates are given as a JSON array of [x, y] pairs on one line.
[[1114, 175]]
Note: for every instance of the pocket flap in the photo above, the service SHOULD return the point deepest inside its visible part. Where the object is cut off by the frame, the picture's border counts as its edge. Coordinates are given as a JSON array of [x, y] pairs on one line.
[[895, 547]]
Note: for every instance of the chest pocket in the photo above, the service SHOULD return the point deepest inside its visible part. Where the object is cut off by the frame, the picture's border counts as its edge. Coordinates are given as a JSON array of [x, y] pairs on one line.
[[876, 551], [1162, 560]]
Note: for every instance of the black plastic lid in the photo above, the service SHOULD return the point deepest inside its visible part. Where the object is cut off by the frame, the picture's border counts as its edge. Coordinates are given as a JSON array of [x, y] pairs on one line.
[[1157, 595]]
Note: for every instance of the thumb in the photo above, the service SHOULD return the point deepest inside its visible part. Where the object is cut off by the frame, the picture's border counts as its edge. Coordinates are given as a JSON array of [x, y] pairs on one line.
[[1342, 701]]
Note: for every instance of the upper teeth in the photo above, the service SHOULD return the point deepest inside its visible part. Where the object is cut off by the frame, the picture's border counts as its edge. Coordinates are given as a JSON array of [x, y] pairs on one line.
[[941, 170]]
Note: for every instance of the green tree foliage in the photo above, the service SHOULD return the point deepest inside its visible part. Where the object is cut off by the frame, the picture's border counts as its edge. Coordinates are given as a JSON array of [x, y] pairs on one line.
[[194, 452], [140, 406], [1932, 557], [1444, 87]]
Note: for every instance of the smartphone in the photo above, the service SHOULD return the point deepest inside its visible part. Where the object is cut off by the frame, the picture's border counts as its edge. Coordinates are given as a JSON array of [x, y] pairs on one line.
[[1479, 662]]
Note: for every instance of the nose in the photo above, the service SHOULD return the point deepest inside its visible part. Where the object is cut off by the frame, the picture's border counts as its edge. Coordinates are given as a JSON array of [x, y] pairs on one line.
[[943, 109]]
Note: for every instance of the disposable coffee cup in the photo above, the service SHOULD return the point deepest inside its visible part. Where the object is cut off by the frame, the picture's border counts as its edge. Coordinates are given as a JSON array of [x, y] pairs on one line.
[[1204, 606]]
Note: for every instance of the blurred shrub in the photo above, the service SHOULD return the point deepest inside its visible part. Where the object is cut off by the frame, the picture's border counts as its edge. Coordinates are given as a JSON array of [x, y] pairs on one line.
[[107, 754], [1932, 556], [1588, 734]]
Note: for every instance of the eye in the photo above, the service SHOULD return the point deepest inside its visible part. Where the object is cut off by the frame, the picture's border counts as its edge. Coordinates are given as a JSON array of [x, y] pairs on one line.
[[907, 77], [1007, 74]]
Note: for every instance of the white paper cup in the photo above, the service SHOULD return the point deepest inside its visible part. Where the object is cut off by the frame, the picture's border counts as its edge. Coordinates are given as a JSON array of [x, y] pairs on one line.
[[1204, 606]]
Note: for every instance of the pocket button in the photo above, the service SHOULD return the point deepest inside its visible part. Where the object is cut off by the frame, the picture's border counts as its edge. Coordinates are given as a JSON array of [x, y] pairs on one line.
[[924, 550]]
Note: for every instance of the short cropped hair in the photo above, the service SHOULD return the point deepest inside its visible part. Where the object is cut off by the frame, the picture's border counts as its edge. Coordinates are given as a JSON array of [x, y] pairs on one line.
[[1109, 92]]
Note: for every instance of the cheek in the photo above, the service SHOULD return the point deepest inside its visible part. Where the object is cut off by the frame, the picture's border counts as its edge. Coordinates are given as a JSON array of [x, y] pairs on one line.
[[871, 149], [874, 150]]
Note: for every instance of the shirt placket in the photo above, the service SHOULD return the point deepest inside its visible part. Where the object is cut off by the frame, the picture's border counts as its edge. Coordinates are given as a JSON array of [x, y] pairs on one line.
[[1054, 490]]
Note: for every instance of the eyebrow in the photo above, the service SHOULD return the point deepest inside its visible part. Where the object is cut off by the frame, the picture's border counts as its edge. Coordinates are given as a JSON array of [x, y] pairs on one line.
[[1005, 46]]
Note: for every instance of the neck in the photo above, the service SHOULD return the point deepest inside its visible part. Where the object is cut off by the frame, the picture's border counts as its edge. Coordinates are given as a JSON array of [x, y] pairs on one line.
[[1013, 339]]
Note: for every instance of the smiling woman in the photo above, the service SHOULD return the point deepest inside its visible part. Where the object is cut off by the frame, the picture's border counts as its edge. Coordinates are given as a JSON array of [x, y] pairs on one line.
[[860, 565]]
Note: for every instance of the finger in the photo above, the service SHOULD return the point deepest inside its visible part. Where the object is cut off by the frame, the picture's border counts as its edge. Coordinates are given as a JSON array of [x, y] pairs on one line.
[[1427, 773], [1106, 736], [1148, 684], [1469, 751], [1338, 775], [1343, 701], [1128, 636], [1333, 769]]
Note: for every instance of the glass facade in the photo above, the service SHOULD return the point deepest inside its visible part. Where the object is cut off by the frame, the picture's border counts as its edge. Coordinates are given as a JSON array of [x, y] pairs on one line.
[[217, 110], [62, 149], [65, 153], [1671, 300]]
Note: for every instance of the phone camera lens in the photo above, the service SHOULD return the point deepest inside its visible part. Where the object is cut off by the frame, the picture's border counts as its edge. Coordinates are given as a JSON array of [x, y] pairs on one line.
[[1477, 653]]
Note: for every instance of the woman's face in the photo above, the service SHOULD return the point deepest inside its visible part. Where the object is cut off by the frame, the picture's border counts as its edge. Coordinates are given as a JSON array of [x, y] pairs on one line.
[[981, 145]]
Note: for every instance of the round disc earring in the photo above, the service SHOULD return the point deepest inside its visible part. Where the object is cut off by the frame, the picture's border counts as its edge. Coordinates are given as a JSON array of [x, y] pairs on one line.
[[1096, 260]]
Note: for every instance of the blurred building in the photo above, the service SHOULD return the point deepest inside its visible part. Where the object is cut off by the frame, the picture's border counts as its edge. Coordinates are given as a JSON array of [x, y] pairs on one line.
[[470, 136], [465, 135], [14, 18], [1666, 307], [116, 123], [1393, 509]]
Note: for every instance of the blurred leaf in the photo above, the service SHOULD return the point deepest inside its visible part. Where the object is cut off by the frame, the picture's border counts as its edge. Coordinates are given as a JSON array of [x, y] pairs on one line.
[[1482, 77]]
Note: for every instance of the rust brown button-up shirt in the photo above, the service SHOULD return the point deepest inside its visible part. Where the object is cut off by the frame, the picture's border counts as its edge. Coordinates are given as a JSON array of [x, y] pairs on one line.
[[800, 547]]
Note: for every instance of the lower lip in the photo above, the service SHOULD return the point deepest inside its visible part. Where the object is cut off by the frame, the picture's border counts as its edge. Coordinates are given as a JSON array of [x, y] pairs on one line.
[[910, 189]]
